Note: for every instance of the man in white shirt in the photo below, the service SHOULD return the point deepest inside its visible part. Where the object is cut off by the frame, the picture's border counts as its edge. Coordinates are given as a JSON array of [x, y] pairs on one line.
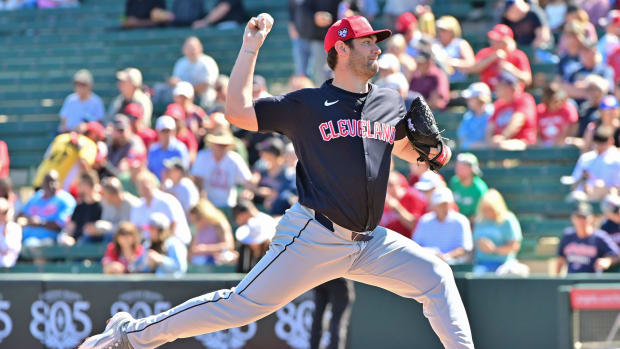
[[198, 69], [155, 200], [81, 106], [444, 230], [116, 206], [598, 170], [178, 184], [218, 170], [10, 236]]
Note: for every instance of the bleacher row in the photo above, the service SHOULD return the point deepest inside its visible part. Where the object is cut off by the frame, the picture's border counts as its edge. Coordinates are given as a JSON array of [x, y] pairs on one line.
[[42, 49]]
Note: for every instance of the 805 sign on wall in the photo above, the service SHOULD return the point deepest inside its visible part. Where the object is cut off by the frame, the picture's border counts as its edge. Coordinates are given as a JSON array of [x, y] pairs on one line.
[[59, 319]]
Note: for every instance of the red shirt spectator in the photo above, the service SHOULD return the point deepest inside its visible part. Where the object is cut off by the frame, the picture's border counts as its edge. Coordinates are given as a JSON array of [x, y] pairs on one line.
[[430, 81], [4, 160], [401, 198], [135, 113], [515, 111], [556, 116], [502, 55]]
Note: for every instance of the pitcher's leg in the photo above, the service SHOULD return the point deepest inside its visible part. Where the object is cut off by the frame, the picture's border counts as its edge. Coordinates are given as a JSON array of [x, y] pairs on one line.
[[294, 264], [397, 264]]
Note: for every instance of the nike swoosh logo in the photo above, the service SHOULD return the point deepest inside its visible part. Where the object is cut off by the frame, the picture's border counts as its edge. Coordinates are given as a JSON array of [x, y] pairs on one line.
[[327, 103]]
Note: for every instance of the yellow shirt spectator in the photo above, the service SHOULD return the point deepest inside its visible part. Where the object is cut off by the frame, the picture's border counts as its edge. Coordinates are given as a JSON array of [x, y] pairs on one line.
[[63, 155]]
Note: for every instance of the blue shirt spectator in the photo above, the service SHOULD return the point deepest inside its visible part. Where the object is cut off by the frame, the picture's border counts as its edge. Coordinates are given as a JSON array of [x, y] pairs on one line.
[[46, 213], [582, 252], [167, 147], [81, 106], [472, 129]]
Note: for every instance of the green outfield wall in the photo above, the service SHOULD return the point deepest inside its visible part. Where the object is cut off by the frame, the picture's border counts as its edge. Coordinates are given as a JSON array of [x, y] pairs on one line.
[[59, 310]]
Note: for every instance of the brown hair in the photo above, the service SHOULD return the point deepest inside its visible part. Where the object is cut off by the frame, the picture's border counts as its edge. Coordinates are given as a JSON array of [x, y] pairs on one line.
[[551, 93], [90, 177], [126, 228], [332, 55]]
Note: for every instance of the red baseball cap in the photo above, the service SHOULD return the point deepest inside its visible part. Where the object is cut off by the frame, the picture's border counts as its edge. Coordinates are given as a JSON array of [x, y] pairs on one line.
[[500, 31], [351, 28], [404, 21], [134, 109], [176, 111], [96, 129]]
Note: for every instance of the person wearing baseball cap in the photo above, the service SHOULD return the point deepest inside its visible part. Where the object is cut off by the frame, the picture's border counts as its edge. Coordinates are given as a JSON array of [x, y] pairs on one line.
[[123, 143], [467, 185], [609, 116], [83, 105], [584, 236], [129, 83], [193, 116], [167, 146], [501, 55], [407, 25], [166, 254], [472, 129]]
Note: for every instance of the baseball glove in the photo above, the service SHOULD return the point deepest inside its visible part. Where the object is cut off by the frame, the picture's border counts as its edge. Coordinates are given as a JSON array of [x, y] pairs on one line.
[[423, 134]]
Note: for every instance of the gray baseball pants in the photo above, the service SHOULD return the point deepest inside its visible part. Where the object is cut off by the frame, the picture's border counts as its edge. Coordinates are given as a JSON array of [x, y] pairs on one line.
[[304, 254]]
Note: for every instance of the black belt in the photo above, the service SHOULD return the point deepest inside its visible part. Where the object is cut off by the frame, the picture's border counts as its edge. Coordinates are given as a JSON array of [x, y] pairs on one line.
[[330, 226]]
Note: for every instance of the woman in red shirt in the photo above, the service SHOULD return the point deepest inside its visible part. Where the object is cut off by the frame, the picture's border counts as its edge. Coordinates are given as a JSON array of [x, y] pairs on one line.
[[124, 249], [557, 117]]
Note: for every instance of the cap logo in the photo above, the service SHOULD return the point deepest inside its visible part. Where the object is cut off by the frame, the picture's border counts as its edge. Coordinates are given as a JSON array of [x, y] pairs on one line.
[[343, 32]]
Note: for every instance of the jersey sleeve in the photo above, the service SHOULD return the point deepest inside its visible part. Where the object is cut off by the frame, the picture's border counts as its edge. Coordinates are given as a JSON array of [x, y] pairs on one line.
[[277, 114]]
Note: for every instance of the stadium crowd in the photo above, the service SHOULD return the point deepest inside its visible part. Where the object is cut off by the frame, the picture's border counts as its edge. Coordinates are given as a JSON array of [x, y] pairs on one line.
[[184, 187]]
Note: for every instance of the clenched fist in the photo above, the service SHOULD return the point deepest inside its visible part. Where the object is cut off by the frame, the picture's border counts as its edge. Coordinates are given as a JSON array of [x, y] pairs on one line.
[[256, 31]]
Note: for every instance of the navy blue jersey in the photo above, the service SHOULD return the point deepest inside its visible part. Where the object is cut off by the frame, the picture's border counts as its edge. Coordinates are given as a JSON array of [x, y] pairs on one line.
[[580, 254], [344, 142]]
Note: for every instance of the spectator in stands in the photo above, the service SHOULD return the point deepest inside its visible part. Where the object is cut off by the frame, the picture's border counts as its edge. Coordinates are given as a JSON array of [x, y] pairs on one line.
[[298, 82], [5, 160], [460, 55], [176, 182], [123, 143], [397, 46], [129, 178], [182, 14], [572, 41], [135, 112], [221, 89], [610, 40], [502, 55], [96, 132], [259, 87], [366, 8], [10, 236], [46, 213], [182, 132], [81, 106], [395, 8], [403, 206], [576, 13], [598, 170], [225, 15], [130, 86], [407, 25], [167, 146], [513, 123], [268, 173], [390, 75], [472, 129], [528, 22], [194, 116], [213, 241], [444, 231], [81, 228], [256, 229], [555, 11], [287, 192], [611, 211], [309, 21], [154, 200], [583, 248], [596, 88], [497, 233], [466, 185], [139, 13], [165, 252], [591, 63], [609, 115], [116, 207], [557, 117], [428, 181], [67, 155], [430, 81], [197, 68], [123, 251], [218, 170]]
